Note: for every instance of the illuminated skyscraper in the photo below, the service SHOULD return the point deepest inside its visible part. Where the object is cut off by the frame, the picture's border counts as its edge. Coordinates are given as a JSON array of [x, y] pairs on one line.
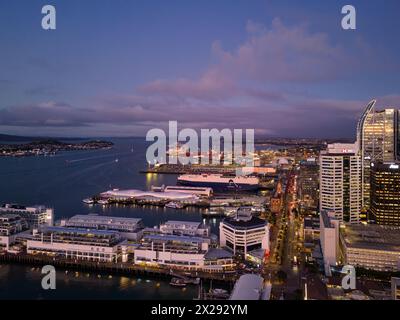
[[340, 182], [377, 140], [385, 193]]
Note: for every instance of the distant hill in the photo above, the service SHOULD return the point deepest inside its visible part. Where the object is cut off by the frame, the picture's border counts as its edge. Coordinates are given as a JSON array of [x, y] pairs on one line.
[[13, 138]]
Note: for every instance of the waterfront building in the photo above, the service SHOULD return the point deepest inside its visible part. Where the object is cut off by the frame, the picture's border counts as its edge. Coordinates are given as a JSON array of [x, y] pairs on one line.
[[181, 245], [260, 171], [185, 228], [220, 182], [76, 243], [198, 191], [132, 194], [181, 252], [217, 260], [340, 181], [250, 287], [372, 247], [129, 228], [35, 216], [244, 233], [329, 238], [377, 138], [10, 226], [178, 251], [385, 193]]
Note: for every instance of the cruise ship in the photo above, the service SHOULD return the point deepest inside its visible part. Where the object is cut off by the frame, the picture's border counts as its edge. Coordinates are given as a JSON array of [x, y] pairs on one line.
[[219, 182]]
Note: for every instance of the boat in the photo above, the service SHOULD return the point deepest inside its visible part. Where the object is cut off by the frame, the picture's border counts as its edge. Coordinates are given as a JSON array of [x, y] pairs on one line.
[[213, 213], [219, 291], [220, 182], [102, 201], [88, 201], [174, 205], [177, 282]]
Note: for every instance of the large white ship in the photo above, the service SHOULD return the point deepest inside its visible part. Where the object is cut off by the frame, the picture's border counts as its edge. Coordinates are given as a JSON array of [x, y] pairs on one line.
[[220, 182]]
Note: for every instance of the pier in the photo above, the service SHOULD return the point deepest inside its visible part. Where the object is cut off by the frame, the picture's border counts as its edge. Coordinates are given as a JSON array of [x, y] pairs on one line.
[[117, 268]]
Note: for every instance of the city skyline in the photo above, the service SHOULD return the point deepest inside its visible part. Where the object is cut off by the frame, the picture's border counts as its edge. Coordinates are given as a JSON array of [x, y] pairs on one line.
[[119, 69]]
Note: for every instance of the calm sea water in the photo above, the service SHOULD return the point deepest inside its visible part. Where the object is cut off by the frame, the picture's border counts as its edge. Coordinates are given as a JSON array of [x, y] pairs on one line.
[[61, 182]]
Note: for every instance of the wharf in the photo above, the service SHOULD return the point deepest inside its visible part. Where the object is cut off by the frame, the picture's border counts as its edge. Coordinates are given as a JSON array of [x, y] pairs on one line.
[[191, 169], [118, 268]]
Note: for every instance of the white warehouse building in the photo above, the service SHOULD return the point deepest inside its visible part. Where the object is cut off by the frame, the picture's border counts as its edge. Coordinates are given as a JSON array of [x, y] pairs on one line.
[[76, 243], [129, 228]]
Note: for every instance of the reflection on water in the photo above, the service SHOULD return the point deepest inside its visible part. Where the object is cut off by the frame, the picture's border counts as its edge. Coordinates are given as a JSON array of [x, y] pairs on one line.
[[22, 282]]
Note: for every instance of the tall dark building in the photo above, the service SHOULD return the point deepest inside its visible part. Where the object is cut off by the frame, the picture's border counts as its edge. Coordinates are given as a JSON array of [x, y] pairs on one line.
[[308, 184], [385, 193]]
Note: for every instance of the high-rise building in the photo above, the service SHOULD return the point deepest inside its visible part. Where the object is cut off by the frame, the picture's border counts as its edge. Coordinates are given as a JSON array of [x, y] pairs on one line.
[[377, 140], [340, 181], [385, 193], [308, 180], [244, 233]]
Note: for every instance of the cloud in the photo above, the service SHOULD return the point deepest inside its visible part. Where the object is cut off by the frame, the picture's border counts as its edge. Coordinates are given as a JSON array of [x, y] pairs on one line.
[[212, 85], [309, 116], [263, 84], [282, 53]]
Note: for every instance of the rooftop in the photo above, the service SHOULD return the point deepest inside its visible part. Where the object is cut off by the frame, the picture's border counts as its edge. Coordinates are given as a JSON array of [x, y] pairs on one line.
[[326, 219], [315, 288], [168, 237], [374, 237], [216, 253], [252, 223], [185, 224], [133, 193], [78, 231], [248, 287], [103, 219], [9, 216]]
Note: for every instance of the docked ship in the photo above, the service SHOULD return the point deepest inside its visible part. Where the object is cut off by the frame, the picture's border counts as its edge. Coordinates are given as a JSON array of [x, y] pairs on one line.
[[220, 182]]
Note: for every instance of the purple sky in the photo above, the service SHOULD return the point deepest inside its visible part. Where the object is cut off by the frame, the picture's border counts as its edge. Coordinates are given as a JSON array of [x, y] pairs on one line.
[[119, 68]]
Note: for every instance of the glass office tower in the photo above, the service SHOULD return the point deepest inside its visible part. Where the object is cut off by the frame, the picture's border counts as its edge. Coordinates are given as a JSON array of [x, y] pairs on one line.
[[385, 193], [377, 138]]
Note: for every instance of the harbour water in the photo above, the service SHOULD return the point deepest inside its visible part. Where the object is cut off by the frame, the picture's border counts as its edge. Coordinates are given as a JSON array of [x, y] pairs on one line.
[[62, 181], [23, 282]]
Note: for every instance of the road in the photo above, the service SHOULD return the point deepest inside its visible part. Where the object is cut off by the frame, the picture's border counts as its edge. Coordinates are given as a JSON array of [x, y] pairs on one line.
[[290, 248]]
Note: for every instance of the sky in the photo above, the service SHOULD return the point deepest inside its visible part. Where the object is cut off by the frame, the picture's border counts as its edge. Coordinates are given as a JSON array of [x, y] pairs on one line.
[[120, 68]]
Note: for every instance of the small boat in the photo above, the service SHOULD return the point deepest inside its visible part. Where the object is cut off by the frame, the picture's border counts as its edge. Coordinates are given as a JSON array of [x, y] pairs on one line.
[[213, 213], [177, 282], [116, 160], [88, 201], [217, 291], [102, 201], [174, 205]]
